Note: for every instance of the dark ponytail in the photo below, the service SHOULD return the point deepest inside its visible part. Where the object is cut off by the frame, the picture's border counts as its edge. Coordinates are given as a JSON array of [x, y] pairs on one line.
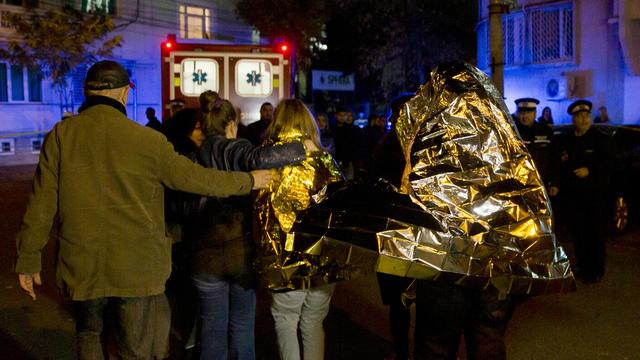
[[216, 120]]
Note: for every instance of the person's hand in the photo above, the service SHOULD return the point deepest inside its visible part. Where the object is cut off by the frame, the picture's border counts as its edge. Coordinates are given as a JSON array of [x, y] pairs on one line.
[[263, 177], [553, 191], [582, 172], [309, 146], [26, 283]]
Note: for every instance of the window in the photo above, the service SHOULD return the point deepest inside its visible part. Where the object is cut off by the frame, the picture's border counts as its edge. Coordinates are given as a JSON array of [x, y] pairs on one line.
[[36, 145], [19, 83], [194, 22], [12, 2], [99, 6], [255, 36], [513, 39], [552, 34], [482, 33], [4, 23], [4, 92], [198, 75], [254, 78], [7, 146], [541, 35]]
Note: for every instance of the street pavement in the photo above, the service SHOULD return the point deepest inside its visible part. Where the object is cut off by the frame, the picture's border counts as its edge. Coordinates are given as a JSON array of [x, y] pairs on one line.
[[600, 321]]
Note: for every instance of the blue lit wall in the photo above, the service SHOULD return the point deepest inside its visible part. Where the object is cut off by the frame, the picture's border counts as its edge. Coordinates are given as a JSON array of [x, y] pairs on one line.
[[597, 71]]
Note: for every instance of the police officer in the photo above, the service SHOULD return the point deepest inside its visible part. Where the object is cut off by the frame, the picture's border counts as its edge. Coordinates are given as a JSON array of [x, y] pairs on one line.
[[584, 158], [536, 137]]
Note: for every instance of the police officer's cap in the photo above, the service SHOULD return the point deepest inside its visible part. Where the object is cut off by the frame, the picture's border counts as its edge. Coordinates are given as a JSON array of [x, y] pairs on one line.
[[578, 106], [177, 102], [105, 75], [527, 103]]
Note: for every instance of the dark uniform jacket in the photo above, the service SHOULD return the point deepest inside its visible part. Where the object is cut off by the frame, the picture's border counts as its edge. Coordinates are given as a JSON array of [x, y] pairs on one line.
[[591, 150], [538, 140]]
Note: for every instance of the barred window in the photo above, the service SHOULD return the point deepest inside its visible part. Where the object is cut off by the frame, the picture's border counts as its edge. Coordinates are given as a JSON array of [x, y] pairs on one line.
[[482, 32], [552, 34], [513, 39]]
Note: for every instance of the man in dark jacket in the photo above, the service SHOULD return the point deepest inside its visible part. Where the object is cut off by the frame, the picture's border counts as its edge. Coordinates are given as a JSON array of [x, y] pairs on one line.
[[585, 159], [536, 137], [104, 176], [349, 148], [255, 131], [153, 122]]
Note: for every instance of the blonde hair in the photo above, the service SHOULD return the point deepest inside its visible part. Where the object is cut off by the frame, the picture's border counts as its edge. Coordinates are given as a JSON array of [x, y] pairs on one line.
[[215, 121], [292, 115]]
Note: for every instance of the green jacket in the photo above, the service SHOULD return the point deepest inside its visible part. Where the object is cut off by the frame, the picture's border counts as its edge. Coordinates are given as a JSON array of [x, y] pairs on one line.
[[104, 176]]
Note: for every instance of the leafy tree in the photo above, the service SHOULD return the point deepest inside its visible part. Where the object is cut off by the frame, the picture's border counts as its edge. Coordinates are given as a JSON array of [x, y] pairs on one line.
[[392, 45], [300, 22], [58, 41]]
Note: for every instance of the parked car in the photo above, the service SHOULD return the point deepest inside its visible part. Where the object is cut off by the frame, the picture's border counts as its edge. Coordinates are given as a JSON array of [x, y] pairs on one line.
[[623, 193]]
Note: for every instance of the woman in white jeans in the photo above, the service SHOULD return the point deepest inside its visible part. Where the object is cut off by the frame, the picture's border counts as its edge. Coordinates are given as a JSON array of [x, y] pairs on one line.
[[306, 303], [308, 308]]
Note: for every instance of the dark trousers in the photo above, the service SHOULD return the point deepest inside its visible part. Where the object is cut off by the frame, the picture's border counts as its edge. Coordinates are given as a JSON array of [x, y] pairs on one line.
[[587, 233], [444, 312], [391, 289], [141, 327]]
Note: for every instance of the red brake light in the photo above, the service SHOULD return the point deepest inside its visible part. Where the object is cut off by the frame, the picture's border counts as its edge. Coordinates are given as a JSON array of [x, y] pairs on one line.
[[284, 48], [168, 45]]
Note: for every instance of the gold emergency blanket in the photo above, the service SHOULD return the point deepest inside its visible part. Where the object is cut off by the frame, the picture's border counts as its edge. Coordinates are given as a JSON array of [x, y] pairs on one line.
[[472, 209], [280, 267]]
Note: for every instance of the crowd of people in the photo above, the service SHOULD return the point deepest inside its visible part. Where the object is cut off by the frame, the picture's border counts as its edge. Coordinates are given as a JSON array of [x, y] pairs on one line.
[[125, 196]]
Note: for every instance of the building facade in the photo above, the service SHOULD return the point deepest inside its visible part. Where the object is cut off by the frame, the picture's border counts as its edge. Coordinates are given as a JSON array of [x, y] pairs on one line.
[[29, 106], [560, 51]]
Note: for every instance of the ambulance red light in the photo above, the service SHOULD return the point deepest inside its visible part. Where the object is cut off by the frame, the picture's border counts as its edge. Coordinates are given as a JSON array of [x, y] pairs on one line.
[[284, 47], [168, 45]]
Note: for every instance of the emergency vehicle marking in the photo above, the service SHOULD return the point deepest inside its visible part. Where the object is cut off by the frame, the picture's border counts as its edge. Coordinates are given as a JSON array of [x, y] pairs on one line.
[[253, 78]]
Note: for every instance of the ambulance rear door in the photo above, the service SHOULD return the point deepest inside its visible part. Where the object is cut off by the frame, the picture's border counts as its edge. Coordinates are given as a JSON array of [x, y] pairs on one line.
[[245, 79]]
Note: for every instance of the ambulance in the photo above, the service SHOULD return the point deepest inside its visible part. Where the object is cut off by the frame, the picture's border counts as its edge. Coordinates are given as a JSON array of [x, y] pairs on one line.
[[246, 75]]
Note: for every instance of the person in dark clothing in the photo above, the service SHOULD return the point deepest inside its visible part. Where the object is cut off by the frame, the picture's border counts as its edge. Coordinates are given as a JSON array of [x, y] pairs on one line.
[[153, 122], [373, 133], [585, 160], [256, 130], [389, 163], [348, 139], [445, 311], [546, 118], [184, 132], [220, 238], [326, 136], [603, 116], [536, 137]]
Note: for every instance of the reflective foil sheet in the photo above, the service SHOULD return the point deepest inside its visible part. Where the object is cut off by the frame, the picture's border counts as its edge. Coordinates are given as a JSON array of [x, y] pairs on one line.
[[280, 264], [472, 209]]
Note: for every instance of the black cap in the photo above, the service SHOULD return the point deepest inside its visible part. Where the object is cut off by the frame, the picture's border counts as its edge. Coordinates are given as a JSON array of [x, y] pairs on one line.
[[578, 106], [105, 75], [527, 103], [177, 102]]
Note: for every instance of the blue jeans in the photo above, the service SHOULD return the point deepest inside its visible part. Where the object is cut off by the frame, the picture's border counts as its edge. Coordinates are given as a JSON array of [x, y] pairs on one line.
[[227, 318]]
